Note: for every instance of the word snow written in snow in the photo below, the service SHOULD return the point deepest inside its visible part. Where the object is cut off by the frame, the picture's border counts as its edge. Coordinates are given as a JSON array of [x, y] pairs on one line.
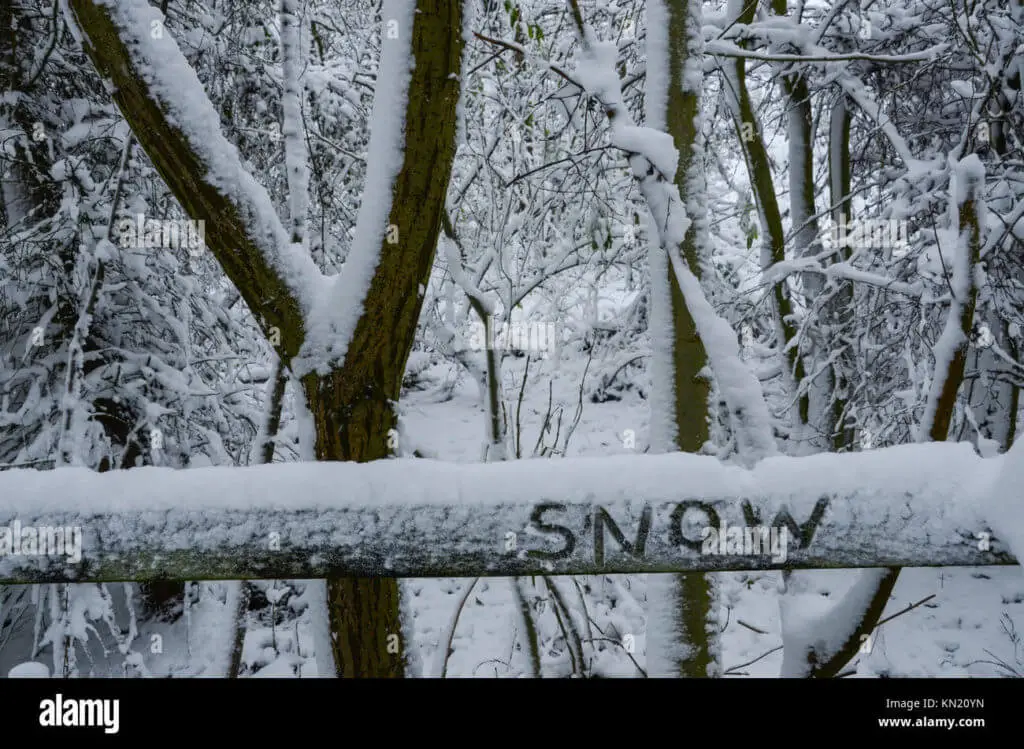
[[142, 233], [18, 540]]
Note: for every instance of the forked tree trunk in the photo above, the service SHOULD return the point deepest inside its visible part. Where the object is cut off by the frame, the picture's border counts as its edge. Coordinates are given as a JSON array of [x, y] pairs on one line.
[[352, 405]]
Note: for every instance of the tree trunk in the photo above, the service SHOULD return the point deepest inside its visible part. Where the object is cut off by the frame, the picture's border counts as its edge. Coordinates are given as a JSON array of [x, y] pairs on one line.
[[352, 404], [690, 598], [840, 309], [773, 250]]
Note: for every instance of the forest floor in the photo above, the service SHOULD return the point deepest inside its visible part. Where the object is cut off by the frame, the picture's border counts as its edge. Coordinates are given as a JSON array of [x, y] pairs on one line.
[[971, 625], [974, 622]]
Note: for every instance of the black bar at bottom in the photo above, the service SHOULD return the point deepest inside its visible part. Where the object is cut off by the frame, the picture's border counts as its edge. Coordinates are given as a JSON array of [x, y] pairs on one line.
[[740, 709]]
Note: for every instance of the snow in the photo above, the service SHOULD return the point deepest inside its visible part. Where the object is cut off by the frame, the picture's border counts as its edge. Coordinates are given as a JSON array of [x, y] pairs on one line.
[[740, 387], [440, 665], [816, 623], [331, 325], [657, 147], [664, 429], [305, 424], [656, 90], [665, 645], [174, 82], [211, 628], [1003, 506], [454, 265], [963, 88], [315, 595], [29, 670], [966, 176]]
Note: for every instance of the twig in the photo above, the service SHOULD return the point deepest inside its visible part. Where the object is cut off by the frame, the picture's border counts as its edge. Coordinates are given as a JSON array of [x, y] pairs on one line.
[[519, 408], [750, 663], [751, 627], [908, 608], [570, 625], [528, 623], [523, 51], [451, 628]]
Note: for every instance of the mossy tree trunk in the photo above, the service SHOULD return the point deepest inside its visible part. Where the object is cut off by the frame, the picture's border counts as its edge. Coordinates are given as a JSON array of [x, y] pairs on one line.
[[755, 153], [695, 599], [352, 405]]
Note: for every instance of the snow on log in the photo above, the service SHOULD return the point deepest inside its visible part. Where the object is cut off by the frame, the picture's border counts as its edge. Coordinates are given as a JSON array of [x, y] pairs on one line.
[[906, 506]]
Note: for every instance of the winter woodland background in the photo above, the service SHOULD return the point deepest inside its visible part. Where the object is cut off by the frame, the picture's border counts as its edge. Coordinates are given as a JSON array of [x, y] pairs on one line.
[[902, 120]]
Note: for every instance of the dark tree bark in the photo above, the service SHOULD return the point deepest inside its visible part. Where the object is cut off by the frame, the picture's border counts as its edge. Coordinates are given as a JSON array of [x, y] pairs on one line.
[[353, 404]]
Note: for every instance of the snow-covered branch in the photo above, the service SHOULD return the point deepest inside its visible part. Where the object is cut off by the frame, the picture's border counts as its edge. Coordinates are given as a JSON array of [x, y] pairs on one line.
[[843, 271], [722, 48], [163, 100]]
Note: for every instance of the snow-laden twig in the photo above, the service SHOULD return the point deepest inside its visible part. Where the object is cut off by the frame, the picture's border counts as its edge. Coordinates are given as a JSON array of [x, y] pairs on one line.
[[441, 671], [722, 48], [296, 153]]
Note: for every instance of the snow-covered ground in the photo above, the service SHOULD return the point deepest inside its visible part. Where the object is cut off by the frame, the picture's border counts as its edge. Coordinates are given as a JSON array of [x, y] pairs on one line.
[[966, 629], [968, 624]]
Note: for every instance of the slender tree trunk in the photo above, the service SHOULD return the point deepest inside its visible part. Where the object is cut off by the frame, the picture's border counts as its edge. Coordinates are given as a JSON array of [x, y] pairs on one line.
[[694, 595], [839, 311], [814, 406], [773, 251]]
